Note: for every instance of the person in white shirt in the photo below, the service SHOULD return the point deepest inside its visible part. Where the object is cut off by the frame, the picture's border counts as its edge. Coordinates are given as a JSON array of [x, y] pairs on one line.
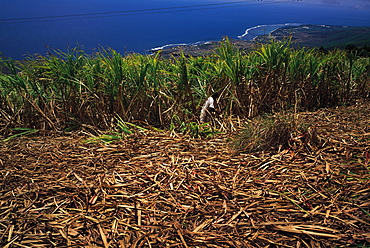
[[209, 108]]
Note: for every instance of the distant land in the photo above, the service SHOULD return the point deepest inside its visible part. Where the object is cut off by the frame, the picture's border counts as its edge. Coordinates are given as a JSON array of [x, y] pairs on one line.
[[326, 36], [322, 35]]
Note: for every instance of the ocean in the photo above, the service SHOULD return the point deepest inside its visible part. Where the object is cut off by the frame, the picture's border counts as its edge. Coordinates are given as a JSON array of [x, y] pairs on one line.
[[36, 27]]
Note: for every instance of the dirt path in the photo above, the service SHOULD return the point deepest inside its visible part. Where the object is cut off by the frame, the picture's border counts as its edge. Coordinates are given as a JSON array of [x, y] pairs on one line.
[[157, 190]]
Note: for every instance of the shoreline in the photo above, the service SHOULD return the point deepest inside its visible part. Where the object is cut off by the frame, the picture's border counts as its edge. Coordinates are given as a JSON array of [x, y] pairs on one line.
[[204, 49], [244, 40], [303, 35]]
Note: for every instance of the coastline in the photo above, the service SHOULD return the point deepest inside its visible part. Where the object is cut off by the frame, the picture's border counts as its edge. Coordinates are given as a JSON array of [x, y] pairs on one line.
[[204, 49], [201, 48], [253, 32], [303, 35]]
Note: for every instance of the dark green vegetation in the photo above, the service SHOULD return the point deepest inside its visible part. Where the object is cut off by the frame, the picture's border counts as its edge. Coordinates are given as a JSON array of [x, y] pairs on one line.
[[69, 90], [326, 36]]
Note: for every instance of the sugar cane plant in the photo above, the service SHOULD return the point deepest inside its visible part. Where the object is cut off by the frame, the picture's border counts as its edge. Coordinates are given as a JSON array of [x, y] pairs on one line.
[[66, 90]]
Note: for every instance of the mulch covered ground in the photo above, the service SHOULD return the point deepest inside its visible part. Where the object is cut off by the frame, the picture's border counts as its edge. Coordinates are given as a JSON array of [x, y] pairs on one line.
[[159, 190]]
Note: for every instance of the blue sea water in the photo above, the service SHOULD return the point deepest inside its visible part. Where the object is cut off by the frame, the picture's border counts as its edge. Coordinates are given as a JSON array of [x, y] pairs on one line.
[[30, 27]]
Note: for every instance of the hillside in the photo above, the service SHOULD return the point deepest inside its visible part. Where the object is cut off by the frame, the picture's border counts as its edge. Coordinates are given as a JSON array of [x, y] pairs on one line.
[[326, 36], [165, 190]]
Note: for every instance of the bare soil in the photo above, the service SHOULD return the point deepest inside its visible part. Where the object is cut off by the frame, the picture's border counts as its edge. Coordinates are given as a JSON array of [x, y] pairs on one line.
[[163, 190]]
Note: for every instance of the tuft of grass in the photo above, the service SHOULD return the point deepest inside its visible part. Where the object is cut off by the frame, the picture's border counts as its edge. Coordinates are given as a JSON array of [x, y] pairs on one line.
[[105, 138], [196, 130], [193, 129], [272, 133]]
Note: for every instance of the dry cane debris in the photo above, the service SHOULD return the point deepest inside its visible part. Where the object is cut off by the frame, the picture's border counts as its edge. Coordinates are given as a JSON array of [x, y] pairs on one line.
[[157, 190]]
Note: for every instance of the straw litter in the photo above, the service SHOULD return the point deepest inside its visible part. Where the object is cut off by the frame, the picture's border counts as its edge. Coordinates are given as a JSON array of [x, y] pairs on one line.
[[160, 190]]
